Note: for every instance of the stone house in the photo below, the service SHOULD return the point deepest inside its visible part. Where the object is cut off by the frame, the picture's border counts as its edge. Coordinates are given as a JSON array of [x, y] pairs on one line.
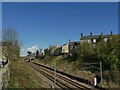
[[94, 38], [69, 48]]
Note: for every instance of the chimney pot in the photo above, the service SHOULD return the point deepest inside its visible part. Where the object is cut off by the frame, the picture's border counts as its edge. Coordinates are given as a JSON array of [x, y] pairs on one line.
[[91, 34], [111, 32], [81, 34], [69, 40]]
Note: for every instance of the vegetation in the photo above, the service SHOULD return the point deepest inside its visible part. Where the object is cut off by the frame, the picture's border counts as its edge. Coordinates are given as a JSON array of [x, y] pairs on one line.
[[37, 54], [10, 42], [106, 52], [47, 53], [23, 76]]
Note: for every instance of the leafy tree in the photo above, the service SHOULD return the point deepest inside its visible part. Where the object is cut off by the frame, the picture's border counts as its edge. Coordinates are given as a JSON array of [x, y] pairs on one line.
[[107, 52], [84, 51], [37, 54], [47, 52]]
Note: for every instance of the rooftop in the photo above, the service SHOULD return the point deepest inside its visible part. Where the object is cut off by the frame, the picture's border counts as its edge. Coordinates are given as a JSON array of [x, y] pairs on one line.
[[72, 43], [95, 36]]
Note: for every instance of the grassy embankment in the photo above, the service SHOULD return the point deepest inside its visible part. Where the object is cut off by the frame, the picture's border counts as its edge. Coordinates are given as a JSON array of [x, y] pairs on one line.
[[71, 67], [74, 68], [23, 76]]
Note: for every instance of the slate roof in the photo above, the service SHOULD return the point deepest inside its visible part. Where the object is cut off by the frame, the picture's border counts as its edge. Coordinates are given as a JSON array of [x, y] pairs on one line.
[[94, 37], [72, 43]]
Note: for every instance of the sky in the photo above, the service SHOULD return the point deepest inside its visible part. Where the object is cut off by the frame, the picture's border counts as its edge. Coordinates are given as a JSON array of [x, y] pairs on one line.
[[0, 30], [41, 24]]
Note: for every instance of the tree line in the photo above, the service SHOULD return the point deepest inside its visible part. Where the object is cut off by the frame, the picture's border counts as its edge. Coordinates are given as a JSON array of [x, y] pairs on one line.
[[10, 44], [107, 52]]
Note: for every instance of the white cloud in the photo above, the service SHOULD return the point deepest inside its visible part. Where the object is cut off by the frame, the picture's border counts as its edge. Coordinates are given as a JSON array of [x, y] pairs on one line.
[[32, 49], [23, 52]]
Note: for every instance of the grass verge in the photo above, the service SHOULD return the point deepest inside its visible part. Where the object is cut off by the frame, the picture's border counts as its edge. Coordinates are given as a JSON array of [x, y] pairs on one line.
[[23, 76]]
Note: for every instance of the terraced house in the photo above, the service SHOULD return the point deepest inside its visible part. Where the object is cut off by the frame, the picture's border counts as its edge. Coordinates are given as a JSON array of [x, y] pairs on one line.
[[95, 38]]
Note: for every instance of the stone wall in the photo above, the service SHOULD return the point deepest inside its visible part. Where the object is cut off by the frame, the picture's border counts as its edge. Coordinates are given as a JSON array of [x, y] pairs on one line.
[[4, 76]]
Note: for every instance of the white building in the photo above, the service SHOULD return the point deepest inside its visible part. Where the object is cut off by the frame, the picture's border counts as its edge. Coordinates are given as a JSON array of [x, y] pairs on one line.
[[69, 47], [65, 48]]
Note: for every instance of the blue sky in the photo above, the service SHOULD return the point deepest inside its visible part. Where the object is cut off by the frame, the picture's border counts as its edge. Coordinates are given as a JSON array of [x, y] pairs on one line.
[[0, 21], [42, 24]]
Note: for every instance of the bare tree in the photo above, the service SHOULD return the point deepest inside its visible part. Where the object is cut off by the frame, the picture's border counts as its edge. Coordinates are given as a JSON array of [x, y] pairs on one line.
[[10, 43]]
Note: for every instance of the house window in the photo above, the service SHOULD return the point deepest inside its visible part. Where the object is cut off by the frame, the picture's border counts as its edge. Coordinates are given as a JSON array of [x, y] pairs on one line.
[[71, 47], [94, 40]]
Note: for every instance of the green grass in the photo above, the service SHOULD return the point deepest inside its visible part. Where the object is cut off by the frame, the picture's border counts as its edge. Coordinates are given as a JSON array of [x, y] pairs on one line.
[[23, 76]]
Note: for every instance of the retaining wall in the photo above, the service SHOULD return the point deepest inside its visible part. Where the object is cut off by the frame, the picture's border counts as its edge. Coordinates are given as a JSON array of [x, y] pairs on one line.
[[4, 76]]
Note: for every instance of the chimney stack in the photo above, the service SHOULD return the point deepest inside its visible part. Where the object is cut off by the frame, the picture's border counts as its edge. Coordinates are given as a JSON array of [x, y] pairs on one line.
[[69, 40], [91, 34], [111, 32], [81, 34]]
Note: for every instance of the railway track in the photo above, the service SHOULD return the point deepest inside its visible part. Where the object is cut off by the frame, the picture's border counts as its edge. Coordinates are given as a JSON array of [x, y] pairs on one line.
[[50, 77], [62, 81]]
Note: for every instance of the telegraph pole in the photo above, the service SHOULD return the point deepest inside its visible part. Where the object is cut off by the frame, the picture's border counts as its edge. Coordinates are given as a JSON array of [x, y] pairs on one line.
[[101, 71], [91, 65], [54, 74]]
